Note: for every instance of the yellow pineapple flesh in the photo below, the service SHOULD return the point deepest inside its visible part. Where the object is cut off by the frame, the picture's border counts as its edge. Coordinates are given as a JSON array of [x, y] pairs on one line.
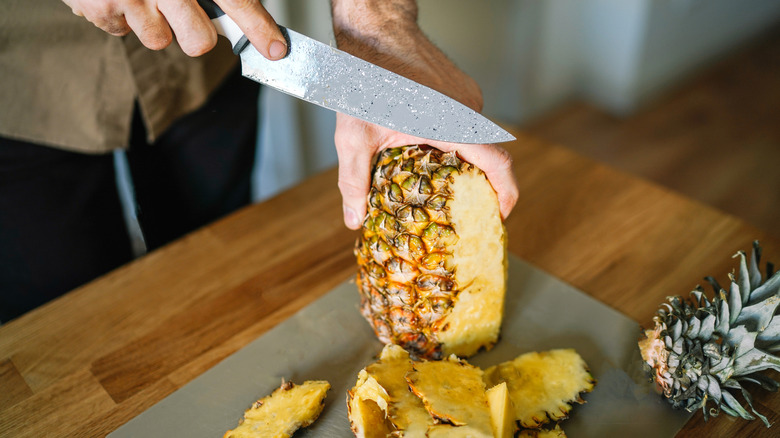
[[502, 414], [288, 408], [432, 254], [542, 385]]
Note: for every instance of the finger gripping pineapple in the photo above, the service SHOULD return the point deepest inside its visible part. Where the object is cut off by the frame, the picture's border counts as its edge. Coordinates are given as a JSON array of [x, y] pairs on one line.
[[432, 254], [702, 351]]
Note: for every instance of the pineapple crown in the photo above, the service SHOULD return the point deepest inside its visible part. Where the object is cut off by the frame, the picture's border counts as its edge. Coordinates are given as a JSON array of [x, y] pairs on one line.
[[701, 349]]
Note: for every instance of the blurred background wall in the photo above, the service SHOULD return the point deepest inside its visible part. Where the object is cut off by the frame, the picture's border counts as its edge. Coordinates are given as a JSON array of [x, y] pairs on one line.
[[530, 57]]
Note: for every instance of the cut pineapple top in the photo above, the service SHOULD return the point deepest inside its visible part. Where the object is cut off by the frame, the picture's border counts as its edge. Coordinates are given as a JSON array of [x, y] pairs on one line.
[[453, 391], [701, 349], [280, 414], [541, 385]]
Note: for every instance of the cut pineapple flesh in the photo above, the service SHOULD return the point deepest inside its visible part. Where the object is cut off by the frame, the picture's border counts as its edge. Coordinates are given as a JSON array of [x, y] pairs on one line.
[[480, 256], [542, 385], [288, 408], [502, 414], [454, 392]]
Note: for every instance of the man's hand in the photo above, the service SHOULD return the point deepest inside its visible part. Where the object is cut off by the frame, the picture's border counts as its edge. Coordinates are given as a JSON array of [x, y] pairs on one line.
[[386, 33], [155, 22], [357, 142]]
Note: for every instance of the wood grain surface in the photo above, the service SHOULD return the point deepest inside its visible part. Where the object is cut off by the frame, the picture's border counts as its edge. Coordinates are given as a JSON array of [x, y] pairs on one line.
[[86, 363], [713, 137]]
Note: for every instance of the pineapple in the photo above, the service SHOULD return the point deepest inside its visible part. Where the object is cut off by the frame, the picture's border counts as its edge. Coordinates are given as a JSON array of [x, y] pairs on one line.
[[453, 392], [502, 414], [701, 351], [400, 397], [542, 385], [280, 414], [432, 254], [404, 411], [367, 408]]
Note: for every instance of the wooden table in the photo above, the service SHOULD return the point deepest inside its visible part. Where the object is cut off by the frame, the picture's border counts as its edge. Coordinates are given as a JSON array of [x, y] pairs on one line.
[[92, 360]]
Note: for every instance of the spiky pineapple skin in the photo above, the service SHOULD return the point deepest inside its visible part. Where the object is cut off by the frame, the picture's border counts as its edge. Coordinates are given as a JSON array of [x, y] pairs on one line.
[[416, 279], [702, 349]]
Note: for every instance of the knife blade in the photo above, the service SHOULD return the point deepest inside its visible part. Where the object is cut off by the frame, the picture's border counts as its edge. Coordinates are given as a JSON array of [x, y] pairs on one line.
[[331, 78]]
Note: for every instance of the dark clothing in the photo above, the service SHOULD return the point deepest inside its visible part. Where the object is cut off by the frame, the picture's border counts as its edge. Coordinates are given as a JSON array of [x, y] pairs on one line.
[[61, 223]]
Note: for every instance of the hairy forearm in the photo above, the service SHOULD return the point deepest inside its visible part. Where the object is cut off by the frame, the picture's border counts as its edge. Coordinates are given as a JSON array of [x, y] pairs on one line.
[[374, 18], [386, 33]]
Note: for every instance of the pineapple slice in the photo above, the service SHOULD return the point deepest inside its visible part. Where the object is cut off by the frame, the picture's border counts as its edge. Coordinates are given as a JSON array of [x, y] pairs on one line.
[[541, 385], [403, 409], [286, 410], [454, 392], [502, 414], [367, 408]]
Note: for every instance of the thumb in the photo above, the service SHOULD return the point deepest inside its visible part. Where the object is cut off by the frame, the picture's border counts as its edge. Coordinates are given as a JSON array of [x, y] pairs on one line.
[[258, 26]]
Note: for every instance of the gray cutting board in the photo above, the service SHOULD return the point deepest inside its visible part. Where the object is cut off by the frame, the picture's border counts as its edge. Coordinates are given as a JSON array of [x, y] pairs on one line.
[[330, 340]]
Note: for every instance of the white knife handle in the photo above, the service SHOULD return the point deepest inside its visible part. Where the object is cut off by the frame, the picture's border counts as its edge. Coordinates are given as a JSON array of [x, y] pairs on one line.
[[225, 25]]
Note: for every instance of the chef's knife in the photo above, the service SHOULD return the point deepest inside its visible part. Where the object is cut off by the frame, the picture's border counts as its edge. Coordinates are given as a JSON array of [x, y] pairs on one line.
[[336, 80]]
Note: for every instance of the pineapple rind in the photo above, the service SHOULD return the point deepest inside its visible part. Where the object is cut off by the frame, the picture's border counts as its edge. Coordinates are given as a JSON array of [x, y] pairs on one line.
[[367, 420], [445, 398], [367, 408], [288, 408], [405, 411], [555, 432], [448, 430], [542, 384], [452, 391]]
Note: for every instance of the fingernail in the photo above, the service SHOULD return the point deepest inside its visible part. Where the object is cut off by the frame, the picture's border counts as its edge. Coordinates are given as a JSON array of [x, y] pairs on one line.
[[351, 218], [277, 49]]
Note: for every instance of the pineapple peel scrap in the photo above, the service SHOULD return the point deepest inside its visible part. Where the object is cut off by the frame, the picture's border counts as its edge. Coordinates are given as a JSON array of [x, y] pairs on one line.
[[701, 351], [288, 408], [452, 398]]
